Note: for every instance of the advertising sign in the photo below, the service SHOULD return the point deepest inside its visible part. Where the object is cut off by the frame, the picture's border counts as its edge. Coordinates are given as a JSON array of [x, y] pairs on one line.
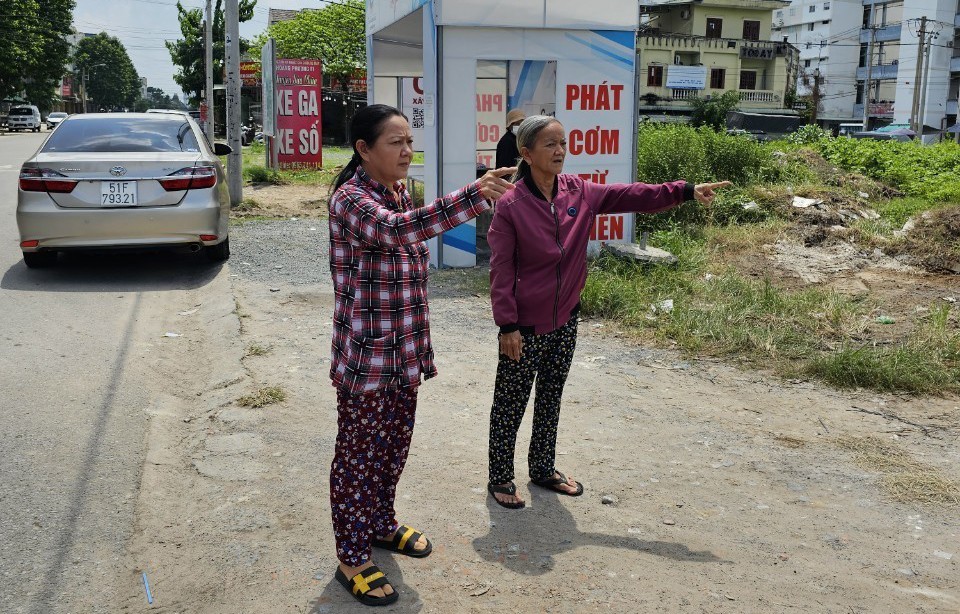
[[66, 90], [250, 74], [267, 62], [412, 105], [491, 107], [298, 141], [686, 77]]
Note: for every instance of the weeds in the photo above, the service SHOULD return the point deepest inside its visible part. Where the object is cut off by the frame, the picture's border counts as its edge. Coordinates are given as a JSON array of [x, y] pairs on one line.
[[255, 349], [262, 174], [263, 397]]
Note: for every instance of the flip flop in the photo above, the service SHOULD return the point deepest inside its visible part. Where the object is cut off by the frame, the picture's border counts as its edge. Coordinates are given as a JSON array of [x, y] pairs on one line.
[[367, 580], [552, 482], [403, 542], [510, 489]]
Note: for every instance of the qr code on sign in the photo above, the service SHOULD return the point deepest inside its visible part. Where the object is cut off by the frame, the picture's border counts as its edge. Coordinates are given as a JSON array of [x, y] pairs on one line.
[[417, 118]]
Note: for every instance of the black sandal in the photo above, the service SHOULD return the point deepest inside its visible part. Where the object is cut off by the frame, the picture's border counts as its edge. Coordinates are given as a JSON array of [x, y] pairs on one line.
[[404, 542], [552, 482], [510, 489], [367, 580]]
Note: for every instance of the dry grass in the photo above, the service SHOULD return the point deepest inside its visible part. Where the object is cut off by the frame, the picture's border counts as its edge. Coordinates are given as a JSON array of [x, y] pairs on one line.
[[904, 478], [255, 349], [263, 397], [789, 442]]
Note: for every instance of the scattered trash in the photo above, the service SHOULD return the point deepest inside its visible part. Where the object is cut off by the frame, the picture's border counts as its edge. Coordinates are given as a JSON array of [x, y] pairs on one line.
[[480, 591], [885, 320], [946, 556], [750, 206], [863, 195], [669, 522], [313, 228], [294, 219], [172, 335], [664, 306], [319, 576], [274, 289], [146, 585], [608, 500], [189, 312], [802, 203], [950, 299], [635, 531], [278, 267], [708, 276], [594, 358]]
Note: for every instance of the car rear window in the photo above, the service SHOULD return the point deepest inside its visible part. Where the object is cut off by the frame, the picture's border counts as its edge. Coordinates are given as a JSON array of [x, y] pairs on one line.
[[109, 134], [21, 111], [56, 115]]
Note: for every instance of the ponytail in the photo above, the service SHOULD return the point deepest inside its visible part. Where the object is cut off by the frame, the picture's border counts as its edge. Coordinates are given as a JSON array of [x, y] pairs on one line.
[[348, 171], [523, 171]]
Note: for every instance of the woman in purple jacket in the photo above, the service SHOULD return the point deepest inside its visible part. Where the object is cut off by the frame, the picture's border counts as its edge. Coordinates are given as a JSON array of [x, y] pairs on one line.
[[538, 266]]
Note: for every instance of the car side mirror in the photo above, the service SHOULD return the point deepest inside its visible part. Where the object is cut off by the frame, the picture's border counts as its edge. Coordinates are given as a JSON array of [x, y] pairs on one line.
[[222, 149]]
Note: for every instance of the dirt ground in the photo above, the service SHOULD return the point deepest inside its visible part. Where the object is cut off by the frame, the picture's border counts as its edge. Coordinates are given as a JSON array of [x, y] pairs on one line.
[[726, 490]]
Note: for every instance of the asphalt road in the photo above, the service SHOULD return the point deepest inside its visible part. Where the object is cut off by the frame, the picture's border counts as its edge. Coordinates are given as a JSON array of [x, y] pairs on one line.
[[77, 378]]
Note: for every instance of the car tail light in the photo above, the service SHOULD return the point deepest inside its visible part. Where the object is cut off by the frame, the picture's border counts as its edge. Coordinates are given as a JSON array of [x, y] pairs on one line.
[[45, 180], [192, 177], [208, 237], [30, 243]]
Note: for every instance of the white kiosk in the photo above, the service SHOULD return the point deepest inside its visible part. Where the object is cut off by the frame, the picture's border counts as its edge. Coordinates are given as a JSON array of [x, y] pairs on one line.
[[458, 66]]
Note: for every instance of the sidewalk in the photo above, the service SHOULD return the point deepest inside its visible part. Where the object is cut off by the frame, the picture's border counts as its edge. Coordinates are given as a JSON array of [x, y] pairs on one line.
[[727, 490]]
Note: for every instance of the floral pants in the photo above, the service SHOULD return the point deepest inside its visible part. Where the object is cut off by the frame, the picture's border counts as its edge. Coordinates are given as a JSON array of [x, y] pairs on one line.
[[547, 359], [373, 439]]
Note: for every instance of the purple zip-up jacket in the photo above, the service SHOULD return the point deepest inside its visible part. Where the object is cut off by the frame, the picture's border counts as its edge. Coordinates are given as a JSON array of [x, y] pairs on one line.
[[538, 260]]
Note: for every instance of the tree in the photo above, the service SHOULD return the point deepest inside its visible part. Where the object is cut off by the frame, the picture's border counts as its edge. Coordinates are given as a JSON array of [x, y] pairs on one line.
[[33, 47], [157, 99], [188, 52], [114, 85], [713, 112]]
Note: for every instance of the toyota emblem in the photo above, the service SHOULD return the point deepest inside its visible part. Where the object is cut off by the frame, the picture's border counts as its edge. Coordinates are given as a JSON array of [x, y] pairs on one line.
[[118, 171]]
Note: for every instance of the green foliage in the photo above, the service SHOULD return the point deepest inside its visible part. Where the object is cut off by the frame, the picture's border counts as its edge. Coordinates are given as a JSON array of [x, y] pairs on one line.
[[928, 171], [116, 84], [187, 53], [713, 112], [807, 135], [334, 34], [261, 174], [33, 47]]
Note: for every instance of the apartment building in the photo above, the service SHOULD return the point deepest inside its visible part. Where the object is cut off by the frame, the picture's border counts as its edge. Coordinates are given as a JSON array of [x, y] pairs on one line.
[[707, 47], [827, 33]]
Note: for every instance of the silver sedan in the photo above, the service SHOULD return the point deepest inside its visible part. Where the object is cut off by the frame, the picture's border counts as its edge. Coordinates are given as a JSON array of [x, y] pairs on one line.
[[123, 180]]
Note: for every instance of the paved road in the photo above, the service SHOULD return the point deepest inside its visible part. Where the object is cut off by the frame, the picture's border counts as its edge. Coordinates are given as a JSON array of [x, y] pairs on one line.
[[81, 343]]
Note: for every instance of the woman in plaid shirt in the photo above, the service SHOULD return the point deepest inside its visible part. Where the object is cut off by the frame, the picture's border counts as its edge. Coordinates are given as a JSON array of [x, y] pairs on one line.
[[381, 337]]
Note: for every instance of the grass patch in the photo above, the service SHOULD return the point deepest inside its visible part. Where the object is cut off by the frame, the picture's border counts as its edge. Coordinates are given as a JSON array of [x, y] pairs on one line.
[[255, 349], [261, 174], [263, 397], [904, 478]]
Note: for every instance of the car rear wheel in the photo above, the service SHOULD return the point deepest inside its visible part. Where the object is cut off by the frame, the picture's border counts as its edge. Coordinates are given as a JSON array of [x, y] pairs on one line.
[[219, 252], [39, 260]]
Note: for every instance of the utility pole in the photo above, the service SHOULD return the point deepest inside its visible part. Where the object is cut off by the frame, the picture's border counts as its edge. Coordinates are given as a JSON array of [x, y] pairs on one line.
[[235, 159], [921, 42], [208, 62], [866, 83], [815, 95], [921, 113]]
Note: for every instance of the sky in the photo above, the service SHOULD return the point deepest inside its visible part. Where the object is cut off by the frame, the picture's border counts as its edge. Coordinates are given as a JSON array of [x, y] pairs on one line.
[[143, 26]]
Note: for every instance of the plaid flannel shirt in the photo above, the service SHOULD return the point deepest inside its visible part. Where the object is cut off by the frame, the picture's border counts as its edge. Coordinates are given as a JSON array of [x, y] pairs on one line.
[[381, 327]]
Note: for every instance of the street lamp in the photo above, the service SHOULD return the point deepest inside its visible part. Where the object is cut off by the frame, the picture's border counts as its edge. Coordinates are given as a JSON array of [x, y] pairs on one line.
[[85, 72]]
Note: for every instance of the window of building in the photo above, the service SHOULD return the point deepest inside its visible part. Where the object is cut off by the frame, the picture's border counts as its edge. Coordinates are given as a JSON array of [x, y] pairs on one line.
[[748, 79], [779, 14], [655, 76], [859, 93], [793, 12], [810, 27], [714, 27], [863, 55], [806, 63], [866, 17], [813, 8], [826, 23], [751, 30], [718, 78], [826, 6]]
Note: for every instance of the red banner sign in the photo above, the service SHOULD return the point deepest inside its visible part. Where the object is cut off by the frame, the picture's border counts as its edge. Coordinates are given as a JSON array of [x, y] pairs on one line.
[[66, 89], [298, 140], [250, 74]]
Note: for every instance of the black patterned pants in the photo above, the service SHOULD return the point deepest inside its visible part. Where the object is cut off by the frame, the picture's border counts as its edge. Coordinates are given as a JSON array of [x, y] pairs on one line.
[[546, 359]]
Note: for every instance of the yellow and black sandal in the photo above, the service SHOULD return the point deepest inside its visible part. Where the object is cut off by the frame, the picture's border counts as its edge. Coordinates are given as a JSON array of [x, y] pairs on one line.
[[367, 580], [404, 542]]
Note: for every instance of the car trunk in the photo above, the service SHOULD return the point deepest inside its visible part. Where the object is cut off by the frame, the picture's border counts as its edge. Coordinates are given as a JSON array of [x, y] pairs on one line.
[[136, 186]]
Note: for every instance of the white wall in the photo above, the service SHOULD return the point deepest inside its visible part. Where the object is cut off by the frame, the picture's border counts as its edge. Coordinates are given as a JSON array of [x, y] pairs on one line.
[[939, 75]]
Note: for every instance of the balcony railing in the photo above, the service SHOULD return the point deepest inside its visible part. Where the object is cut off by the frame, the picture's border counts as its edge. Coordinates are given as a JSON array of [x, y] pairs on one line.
[[955, 64], [885, 34], [684, 94], [881, 71], [952, 107], [654, 39], [758, 96]]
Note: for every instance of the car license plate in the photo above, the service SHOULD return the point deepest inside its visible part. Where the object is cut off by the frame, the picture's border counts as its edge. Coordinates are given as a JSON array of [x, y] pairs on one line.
[[118, 193]]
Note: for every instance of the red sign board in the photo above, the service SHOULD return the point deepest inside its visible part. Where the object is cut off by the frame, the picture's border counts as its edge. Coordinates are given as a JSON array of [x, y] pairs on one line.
[[203, 112], [66, 89], [356, 83], [250, 74], [298, 114]]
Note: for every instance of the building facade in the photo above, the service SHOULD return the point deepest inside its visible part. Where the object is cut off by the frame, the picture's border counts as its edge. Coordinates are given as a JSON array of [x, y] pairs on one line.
[[704, 48], [827, 33]]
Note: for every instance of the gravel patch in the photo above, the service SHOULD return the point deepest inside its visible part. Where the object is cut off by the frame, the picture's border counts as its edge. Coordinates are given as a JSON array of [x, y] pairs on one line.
[[281, 252]]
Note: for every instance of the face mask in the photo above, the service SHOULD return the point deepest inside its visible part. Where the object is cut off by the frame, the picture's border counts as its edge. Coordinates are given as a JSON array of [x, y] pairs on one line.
[[514, 129]]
